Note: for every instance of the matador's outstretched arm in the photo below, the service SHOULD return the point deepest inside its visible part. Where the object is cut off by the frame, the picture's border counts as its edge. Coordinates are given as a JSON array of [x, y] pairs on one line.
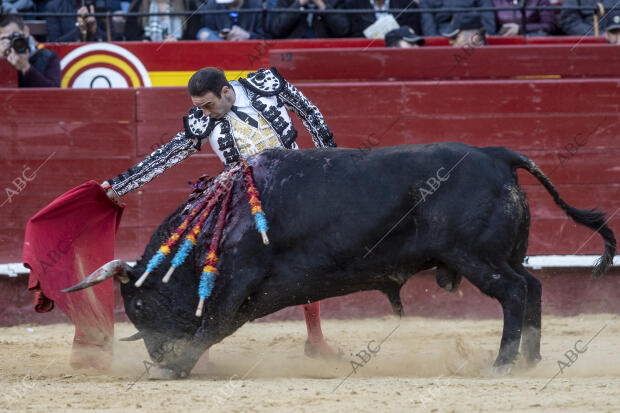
[[181, 147]]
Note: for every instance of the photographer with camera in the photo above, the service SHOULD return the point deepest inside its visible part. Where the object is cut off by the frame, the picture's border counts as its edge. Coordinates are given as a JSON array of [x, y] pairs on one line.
[[36, 66]]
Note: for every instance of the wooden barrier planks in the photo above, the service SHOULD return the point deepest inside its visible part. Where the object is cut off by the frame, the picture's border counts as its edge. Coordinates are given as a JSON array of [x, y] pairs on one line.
[[54, 140], [99, 134], [566, 292], [456, 100], [159, 113], [8, 74], [541, 60]]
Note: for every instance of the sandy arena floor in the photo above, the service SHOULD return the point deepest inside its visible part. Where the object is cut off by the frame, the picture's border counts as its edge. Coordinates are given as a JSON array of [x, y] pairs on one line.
[[424, 365]]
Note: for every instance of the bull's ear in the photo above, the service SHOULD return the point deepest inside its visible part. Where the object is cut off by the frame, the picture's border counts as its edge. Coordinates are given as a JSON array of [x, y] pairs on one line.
[[118, 269]]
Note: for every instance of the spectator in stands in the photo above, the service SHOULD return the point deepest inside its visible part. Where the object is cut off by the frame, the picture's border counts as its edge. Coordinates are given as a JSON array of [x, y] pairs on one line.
[[232, 25], [359, 22], [584, 22], [117, 26], [85, 28], [612, 27], [466, 30], [296, 25], [40, 6], [538, 22], [16, 6], [403, 37], [156, 28], [433, 24], [36, 66]]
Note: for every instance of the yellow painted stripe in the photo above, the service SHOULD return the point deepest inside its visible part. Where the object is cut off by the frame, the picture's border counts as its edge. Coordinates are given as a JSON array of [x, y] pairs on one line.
[[180, 78], [101, 58], [236, 74], [170, 78]]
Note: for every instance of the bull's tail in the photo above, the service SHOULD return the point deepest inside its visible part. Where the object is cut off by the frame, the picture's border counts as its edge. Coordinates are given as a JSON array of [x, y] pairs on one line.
[[591, 218]]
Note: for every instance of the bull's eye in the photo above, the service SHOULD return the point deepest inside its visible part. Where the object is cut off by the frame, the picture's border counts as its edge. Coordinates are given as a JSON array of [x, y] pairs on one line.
[[138, 304]]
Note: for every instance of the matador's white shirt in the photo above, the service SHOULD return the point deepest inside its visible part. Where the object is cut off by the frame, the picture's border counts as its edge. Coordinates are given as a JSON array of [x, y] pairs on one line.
[[248, 139]]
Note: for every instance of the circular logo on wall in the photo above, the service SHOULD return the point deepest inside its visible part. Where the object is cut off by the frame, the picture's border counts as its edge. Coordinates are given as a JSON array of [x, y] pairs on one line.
[[102, 65]]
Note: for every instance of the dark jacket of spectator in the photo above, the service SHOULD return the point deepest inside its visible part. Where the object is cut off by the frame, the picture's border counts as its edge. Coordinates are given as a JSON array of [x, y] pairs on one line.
[[44, 70], [63, 29], [581, 22], [295, 25], [440, 22], [359, 22], [536, 20], [250, 22]]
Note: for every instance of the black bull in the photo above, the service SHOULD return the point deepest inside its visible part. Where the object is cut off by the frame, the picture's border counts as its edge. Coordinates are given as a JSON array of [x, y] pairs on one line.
[[345, 220]]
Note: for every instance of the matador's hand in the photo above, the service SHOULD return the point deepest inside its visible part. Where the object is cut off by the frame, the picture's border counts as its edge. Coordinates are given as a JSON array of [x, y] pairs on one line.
[[111, 193]]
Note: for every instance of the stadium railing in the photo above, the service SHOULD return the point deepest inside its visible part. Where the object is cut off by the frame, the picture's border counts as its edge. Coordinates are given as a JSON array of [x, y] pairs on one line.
[[265, 11]]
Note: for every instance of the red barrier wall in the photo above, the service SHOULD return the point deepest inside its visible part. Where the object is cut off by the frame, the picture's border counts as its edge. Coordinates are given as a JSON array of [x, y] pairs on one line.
[[192, 55], [377, 64], [171, 63], [8, 74], [75, 135], [566, 292]]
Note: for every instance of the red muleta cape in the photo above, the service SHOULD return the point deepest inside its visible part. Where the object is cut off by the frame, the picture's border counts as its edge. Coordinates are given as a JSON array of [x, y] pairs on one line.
[[65, 242]]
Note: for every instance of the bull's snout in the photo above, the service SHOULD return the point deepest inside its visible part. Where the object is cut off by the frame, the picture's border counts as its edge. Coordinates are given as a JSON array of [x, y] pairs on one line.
[[168, 351]]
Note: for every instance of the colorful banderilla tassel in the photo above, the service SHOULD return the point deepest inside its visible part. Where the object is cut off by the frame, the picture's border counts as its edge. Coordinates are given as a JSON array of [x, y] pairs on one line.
[[170, 243], [165, 248], [209, 271], [255, 204], [190, 239]]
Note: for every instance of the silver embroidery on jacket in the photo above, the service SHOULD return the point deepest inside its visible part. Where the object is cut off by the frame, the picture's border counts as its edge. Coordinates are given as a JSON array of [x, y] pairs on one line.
[[262, 87], [165, 157]]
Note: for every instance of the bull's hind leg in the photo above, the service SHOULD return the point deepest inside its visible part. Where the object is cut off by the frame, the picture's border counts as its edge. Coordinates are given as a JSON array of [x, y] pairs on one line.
[[316, 346], [510, 289], [530, 344]]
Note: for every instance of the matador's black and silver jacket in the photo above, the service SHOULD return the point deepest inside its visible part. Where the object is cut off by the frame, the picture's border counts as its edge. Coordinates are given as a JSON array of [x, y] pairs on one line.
[[269, 93]]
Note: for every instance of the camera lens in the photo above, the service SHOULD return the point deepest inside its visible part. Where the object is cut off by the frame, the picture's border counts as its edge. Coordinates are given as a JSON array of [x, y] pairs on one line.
[[20, 44]]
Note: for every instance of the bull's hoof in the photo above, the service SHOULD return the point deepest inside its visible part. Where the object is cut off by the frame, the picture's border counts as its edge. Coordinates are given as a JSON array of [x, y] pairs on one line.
[[163, 373], [532, 362], [502, 370], [321, 350]]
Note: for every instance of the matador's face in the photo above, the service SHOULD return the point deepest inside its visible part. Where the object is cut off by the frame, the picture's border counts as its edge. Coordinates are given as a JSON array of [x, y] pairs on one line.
[[215, 107]]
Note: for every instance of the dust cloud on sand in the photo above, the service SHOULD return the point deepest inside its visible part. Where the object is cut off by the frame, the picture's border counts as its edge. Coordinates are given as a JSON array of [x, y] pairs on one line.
[[386, 364]]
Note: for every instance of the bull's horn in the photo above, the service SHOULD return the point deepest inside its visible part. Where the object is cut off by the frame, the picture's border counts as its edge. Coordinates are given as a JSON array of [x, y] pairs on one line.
[[117, 269], [138, 336]]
